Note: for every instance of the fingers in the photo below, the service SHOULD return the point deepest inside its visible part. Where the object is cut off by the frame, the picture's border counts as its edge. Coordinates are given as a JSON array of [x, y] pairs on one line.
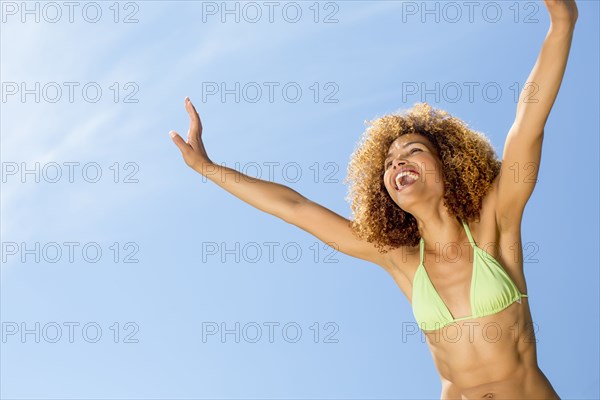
[[178, 140], [193, 135], [194, 117], [195, 130]]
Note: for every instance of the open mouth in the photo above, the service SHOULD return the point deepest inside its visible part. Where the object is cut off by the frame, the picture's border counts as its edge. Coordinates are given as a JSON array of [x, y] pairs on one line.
[[405, 179]]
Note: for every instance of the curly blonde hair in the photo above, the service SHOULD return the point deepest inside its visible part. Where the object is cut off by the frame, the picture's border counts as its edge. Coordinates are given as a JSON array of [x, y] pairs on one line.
[[469, 166]]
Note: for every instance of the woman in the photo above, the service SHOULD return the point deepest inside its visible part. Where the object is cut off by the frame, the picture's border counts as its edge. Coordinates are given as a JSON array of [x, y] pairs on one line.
[[441, 214]]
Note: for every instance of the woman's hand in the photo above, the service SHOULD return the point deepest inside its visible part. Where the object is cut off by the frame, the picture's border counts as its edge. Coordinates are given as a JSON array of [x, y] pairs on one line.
[[192, 150], [563, 13]]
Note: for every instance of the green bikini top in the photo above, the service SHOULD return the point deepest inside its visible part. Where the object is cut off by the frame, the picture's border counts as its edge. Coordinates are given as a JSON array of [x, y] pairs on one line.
[[492, 290]]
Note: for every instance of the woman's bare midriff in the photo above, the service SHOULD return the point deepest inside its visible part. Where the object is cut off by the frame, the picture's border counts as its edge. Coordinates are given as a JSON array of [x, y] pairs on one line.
[[491, 357], [487, 357]]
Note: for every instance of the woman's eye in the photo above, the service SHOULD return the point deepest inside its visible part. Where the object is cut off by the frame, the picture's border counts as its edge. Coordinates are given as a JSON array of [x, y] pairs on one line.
[[387, 165]]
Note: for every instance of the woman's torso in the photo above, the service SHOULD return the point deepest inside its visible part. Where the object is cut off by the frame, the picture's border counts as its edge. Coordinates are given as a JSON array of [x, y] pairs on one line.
[[493, 355]]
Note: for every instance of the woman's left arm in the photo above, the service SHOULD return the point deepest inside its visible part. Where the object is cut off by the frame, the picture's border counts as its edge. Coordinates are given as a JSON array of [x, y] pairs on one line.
[[537, 98], [523, 147]]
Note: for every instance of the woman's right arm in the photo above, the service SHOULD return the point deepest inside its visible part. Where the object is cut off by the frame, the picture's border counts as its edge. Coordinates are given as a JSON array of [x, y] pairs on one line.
[[276, 199], [289, 205], [335, 230]]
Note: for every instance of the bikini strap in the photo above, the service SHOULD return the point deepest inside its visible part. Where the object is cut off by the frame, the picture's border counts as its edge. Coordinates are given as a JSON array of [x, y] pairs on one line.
[[468, 233], [422, 248]]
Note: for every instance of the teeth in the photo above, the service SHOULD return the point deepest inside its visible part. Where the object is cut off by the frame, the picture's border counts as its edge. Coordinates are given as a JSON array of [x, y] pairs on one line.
[[405, 173], [412, 174]]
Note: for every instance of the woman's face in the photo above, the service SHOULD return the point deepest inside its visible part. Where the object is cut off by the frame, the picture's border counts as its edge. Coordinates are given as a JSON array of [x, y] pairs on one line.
[[413, 171]]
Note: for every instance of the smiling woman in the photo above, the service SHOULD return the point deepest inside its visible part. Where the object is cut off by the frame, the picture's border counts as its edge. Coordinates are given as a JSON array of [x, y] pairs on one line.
[[423, 184], [422, 138]]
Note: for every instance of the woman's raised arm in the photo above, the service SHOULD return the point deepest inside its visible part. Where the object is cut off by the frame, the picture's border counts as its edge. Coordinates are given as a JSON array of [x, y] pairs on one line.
[[269, 197], [274, 198], [523, 147]]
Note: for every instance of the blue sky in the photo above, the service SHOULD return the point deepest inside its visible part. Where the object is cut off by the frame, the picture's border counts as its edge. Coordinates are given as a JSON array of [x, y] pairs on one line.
[[131, 318]]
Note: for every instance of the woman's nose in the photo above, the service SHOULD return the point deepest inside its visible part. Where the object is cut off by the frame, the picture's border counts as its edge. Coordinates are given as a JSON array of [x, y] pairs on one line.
[[398, 162]]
